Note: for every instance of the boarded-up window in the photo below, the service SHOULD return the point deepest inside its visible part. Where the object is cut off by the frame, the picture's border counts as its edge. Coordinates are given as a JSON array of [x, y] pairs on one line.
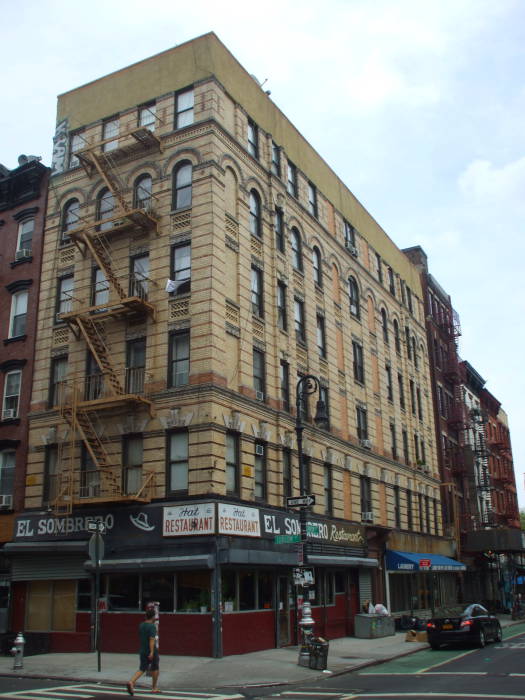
[[51, 606]]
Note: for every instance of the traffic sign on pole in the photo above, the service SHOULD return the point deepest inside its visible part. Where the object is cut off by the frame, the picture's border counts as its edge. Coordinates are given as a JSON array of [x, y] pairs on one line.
[[298, 501]]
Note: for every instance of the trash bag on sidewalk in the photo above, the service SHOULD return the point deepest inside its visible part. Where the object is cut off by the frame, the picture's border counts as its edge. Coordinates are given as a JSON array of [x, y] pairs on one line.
[[318, 648]]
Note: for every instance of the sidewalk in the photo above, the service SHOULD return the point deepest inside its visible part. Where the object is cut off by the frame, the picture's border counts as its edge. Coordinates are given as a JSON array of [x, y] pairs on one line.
[[269, 667]]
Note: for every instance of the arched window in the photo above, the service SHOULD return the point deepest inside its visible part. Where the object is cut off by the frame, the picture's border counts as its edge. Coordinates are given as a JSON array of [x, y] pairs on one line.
[[316, 261], [182, 177], [105, 207], [353, 295], [70, 217], [397, 339], [142, 192], [384, 323], [297, 250], [255, 214]]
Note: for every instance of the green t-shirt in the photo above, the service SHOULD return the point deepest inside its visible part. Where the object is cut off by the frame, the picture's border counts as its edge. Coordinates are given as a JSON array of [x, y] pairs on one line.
[[146, 631]]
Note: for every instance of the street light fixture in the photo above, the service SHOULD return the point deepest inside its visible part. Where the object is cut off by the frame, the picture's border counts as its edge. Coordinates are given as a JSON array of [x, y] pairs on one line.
[[306, 385]]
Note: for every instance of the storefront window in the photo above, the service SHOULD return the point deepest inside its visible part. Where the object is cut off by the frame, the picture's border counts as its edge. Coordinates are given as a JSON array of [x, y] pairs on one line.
[[51, 606], [229, 593], [246, 590], [329, 598], [193, 591], [265, 592], [160, 588], [339, 581], [123, 592], [84, 594]]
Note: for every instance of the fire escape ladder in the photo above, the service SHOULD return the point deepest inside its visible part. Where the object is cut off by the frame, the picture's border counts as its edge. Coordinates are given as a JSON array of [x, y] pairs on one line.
[[101, 255], [99, 350], [102, 166]]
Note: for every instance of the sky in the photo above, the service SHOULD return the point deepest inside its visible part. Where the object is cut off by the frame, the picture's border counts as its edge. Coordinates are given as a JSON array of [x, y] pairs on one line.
[[418, 106]]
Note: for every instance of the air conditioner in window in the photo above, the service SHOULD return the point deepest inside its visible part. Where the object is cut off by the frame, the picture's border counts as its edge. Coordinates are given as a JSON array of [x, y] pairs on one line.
[[90, 491], [367, 515], [259, 450], [8, 413], [259, 395], [23, 253], [367, 444], [6, 500], [58, 317], [353, 251]]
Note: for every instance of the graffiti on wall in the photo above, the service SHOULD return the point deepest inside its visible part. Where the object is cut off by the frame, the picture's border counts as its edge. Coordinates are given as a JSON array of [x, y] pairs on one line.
[[58, 164]]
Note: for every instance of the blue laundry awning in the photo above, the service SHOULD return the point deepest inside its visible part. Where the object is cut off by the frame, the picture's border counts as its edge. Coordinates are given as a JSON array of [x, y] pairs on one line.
[[417, 561]]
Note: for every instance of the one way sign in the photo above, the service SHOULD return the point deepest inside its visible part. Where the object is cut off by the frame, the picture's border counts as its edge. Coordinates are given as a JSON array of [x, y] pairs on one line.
[[297, 501]]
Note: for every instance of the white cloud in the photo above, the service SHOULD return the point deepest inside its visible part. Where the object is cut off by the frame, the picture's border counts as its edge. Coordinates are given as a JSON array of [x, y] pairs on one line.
[[481, 180]]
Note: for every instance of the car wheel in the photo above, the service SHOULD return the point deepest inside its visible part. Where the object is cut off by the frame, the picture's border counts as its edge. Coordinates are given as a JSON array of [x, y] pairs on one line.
[[499, 634], [481, 639], [435, 646]]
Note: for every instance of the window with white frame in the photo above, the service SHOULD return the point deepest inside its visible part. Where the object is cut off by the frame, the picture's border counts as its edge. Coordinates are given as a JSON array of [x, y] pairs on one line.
[[353, 296], [64, 295], [297, 250], [321, 336], [132, 460], [179, 358], [276, 159], [12, 383], [25, 238], [253, 139], [349, 234], [300, 330], [178, 461], [105, 208], [255, 214], [142, 192], [7, 474], [278, 225], [282, 316], [260, 471], [232, 463], [17, 326], [99, 287], [257, 291], [76, 143], [185, 103], [70, 218], [259, 374], [181, 268], [147, 116], [291, 184], [312, 200], [316, 263], [110, 131], [182, 185]]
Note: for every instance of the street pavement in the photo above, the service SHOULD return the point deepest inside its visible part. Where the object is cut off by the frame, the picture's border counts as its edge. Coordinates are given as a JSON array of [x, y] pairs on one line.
[[261, 668]]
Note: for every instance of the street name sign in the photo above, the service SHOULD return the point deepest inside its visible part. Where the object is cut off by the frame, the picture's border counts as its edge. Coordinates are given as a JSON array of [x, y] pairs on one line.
[[286, 539], [96, 526], [298, 501]]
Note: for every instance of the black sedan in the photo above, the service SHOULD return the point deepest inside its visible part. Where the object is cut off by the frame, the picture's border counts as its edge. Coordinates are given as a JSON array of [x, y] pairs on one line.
[[475, 625]]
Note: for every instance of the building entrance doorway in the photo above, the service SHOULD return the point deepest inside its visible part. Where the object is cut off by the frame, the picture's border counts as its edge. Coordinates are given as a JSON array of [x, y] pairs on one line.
[[283, 611]]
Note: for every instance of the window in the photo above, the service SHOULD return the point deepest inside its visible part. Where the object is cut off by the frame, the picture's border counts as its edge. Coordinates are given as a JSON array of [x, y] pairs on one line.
[[406, 455], [397, 340], [384, 324], [181, 268], [76, 143], [257, 292], [409, 299], [259, 381], [307, 474], [321, 336], [142, 192], [25, 238], [260, 471], [232, 463], [135, 365], [276, 159], [50, 606], [416, 447], [300, 330], [147, 116], [353, 295], [110, 131], [178, 461], [105, 208], [284, 381], [423, 452], [70, 218], [64, 302], [182, 185], [427, 514], [407, 339], [287, 473], [139, 276], [50, 474], [391, 282], [362, 423], [393, 440], [379, 268], [420, 509], [323, 396], [184, 108], [12, 382], [99, 288], [253, 139], [17, 326], [401, 388], [412, 396], [58, 375], [316, 262], [278, 225], [410, 521], [291, 184], [414, 352], [282, 317], [255, 214], [327, 486], [7, 472], [94, 379], [365, 484], [297, 251], [179, 358], [435, 509], [132, 460], [397, 507], [349, 234], [312, 200], [359, 369], [389, 388], [419, 404]]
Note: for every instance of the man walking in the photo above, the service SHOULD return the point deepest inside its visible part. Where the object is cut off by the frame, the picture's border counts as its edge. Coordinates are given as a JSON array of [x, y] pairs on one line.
[[149, 654]]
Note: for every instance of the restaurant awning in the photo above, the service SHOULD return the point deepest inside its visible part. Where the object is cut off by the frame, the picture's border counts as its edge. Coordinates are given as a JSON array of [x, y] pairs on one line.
[[417, 561]]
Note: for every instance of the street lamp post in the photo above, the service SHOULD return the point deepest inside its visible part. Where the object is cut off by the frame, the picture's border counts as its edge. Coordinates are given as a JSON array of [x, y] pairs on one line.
[[306, 385]]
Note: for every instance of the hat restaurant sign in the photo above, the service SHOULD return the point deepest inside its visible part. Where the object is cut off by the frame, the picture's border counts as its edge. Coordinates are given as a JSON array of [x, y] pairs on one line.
[[191, 519]]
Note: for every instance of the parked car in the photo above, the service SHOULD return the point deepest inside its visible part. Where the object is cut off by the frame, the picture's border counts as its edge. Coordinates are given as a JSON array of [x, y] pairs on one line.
[[475, 625]]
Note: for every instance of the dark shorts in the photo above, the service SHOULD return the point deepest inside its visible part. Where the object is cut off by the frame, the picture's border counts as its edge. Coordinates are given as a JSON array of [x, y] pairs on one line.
[[147, 665]]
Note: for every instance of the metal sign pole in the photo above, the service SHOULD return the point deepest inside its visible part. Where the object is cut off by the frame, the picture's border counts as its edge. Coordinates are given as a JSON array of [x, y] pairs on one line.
[[97, 597]]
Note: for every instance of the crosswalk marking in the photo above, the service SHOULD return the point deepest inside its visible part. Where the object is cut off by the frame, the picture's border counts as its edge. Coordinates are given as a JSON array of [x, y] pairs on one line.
[[90, 690]]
